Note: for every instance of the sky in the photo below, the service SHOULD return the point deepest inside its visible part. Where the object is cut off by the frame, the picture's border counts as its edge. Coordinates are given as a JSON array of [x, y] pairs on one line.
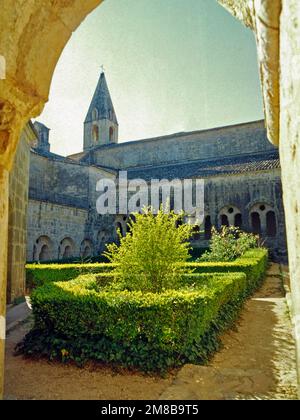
[[170, 65]]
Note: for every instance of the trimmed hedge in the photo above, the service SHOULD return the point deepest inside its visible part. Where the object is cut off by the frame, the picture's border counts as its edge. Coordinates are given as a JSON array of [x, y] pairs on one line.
[[88, 319], [253, 263], [78, 320], [38, 274]]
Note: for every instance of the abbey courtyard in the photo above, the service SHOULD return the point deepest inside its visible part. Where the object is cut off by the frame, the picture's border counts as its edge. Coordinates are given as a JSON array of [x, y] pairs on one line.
[[238, 164], [49, 217]]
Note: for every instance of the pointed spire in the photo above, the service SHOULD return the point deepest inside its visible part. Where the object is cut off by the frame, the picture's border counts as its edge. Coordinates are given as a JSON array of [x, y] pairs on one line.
[[102, 103]]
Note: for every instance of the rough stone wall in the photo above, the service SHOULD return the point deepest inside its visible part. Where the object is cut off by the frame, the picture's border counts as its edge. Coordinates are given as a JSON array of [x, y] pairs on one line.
[[220, 142], [63, 206], [18, 202], [58, 181], [63, 185], [56, 222]]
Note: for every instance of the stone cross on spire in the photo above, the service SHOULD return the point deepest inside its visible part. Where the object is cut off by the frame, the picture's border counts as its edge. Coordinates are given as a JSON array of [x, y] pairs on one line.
[[102, 68]]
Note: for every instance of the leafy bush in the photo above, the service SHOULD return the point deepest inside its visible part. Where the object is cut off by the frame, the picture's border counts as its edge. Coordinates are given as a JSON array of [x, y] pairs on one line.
[[84, 319], [228, 244], [147, 257], [38, 274]]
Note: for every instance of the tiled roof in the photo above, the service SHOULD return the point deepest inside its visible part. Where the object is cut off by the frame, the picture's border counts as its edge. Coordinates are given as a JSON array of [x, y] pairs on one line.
[[48, 155], [209, 168]]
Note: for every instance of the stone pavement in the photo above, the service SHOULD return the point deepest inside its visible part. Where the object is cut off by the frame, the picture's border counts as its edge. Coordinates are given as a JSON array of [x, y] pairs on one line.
[[16, 314], [257, 360]]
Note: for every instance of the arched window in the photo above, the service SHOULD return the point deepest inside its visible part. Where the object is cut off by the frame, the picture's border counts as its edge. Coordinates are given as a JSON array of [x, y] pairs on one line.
[[207, 228], [263, 219], [66, 248], [271, 224], [86, 248], [256, 223], [111, 134], [238, 222], [43, 249], [87, 252], [67, 252], [230, 215], [45, 253], [95, 114], [95, 133], [224, 220]]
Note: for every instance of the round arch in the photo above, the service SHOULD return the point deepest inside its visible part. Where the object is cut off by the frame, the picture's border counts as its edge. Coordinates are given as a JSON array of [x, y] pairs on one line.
[[230, 215], [43, 249], [86, 248], [67, 248], [25, 89], [263, 219]]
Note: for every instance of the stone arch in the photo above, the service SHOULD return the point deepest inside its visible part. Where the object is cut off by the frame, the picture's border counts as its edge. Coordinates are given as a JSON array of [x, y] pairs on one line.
[[43, 249], [224, 220], [67, 248], [263, 219], [45, 253], [101, 236], [271, 226], [102, 239], [25, 90], [86, 248], [256, 223], [238, 220], [230, 215]]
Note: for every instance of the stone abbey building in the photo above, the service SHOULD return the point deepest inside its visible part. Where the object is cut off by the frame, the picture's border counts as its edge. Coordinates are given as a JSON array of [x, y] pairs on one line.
[[240, 167]]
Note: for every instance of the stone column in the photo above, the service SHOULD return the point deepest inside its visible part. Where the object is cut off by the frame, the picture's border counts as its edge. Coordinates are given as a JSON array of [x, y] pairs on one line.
[[4, 184], [290, 145], [18, 204]]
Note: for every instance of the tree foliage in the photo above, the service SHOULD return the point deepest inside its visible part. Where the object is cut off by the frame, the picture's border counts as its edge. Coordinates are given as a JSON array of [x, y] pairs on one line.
[[148, 258]]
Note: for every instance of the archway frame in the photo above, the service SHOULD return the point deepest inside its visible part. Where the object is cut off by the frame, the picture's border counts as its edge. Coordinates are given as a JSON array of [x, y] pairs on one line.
[[28, 75]]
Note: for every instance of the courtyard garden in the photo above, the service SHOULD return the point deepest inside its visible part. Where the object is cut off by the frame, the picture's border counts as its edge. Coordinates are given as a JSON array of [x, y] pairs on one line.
[[149, 307]]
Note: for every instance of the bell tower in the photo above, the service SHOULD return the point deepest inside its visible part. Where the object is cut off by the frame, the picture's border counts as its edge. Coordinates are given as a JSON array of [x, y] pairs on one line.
[[100, 125]]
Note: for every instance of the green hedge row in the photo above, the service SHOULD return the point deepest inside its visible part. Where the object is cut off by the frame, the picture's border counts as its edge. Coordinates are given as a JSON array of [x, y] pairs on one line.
[[253, 263], [80, 321], [38, 274]]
